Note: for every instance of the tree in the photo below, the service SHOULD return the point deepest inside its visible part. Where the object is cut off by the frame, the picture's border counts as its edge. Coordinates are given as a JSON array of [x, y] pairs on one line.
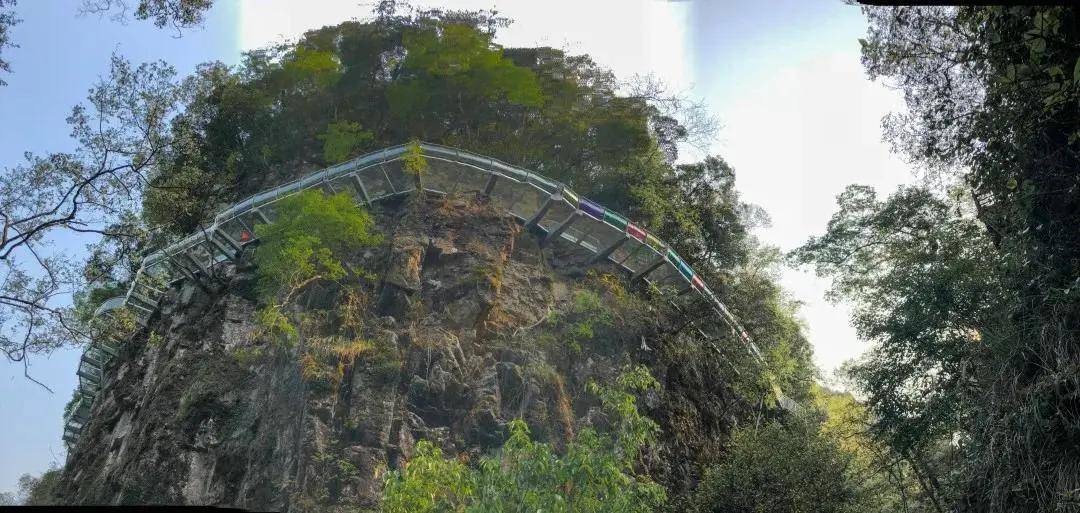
[[178, 14], [992, 95], [306, 261], [307, 243], [780, 468], [90, 192], [888, 480], [925, 285], [39, 490], [7, 20], [342, 139]]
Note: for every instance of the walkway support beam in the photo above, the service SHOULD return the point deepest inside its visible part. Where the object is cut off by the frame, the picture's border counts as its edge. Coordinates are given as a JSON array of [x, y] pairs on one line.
[[640, 275], [229, 241], [558, 231], [535, 221], [601, 256], [490, 185], [363, 190]]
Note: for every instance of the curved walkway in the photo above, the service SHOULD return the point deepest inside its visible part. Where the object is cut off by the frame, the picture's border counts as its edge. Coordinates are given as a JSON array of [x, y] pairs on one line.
[[535, 200]]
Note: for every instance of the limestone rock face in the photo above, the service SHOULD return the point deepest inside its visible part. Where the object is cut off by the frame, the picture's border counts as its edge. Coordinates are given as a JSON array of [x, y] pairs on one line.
[[474, 320]]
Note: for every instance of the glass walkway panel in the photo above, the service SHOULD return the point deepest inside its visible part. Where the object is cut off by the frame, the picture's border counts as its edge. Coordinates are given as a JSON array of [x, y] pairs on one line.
[[533, 199]]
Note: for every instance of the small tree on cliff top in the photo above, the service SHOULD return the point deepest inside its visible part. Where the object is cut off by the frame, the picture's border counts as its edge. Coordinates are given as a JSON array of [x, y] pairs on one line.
[[306, 245]]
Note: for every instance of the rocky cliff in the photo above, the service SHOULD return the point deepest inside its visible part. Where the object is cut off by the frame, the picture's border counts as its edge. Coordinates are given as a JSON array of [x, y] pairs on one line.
[[471, 324]]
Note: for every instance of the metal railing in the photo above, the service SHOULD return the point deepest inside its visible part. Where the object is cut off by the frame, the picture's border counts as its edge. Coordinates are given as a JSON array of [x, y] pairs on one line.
[[539, 202]]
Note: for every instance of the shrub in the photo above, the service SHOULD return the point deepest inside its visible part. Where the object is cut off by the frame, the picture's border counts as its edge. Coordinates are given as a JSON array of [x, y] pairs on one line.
[[309, 239], [596, 474], [781, 468]]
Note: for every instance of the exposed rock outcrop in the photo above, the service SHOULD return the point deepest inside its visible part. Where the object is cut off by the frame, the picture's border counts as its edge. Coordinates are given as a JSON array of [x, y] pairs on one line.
[[476, 325]]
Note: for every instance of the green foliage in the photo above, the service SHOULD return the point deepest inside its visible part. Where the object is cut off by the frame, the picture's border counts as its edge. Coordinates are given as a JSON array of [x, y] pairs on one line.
[[781, 468], [154, 339], [769, 314], [453, 67], [429, 483], [7, 20], [342, 140], [273, 323], [247, 355], [586, 314], [924, 309], [41, 490], [175, 14], [594, 475], [415, 163], [312, 68], [311, 235], [633, 431], [889, 480]]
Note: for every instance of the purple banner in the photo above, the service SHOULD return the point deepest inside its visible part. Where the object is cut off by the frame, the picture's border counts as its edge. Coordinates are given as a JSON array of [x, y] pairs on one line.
[[594, 210]]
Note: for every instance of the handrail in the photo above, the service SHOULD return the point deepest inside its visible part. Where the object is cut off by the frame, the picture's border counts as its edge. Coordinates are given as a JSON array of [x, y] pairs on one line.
[[630, 246]]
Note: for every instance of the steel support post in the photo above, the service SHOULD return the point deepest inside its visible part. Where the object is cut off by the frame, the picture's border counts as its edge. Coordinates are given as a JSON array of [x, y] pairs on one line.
[[640, 275], [601, 256], [558, 231], [490, 185], [535, 221]]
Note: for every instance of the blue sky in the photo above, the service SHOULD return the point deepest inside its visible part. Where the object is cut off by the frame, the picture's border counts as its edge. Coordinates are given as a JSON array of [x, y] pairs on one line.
[[60, 56], [800, 119]]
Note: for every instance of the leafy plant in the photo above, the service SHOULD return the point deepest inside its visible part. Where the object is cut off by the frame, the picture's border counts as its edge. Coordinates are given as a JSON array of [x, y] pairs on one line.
[[596, 474], [342, 140], [307, 242], [781, 468]]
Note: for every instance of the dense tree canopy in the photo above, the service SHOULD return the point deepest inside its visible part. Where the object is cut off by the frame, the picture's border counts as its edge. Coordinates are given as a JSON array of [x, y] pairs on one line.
[[971, 292], [777, 468]]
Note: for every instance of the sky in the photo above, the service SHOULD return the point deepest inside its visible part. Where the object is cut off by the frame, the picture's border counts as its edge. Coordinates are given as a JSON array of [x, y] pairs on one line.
[[800, 120]]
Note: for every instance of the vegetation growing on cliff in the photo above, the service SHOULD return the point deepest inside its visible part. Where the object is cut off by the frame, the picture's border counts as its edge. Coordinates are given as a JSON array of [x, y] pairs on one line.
[[596, 473], [310, 283], [438, 76], [309, 241]]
